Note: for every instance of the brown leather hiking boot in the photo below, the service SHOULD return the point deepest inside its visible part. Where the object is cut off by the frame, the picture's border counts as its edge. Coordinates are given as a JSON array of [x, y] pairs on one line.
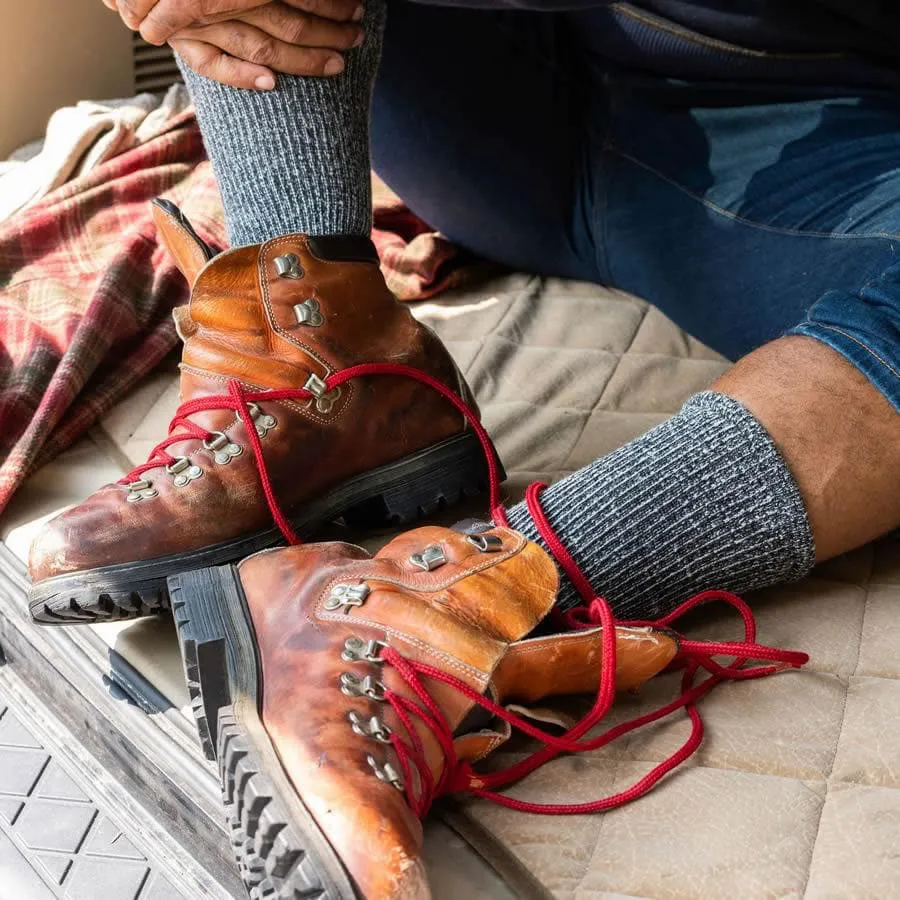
[[307, 666], [275, 425]]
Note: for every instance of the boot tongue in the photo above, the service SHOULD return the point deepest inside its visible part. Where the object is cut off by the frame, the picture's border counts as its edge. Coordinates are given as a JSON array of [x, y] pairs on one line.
[[191, 254]]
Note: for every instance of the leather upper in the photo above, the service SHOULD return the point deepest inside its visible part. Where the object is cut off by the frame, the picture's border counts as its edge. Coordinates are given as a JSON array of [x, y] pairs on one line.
[[470, 617], [241, 324]]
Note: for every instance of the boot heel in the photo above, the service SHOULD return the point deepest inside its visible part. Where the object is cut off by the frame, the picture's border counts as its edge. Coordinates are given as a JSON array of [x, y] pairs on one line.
[[422, 485], [208, 607]]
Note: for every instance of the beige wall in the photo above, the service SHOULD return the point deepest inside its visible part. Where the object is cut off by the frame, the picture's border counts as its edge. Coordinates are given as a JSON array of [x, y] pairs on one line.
[[53, 53]]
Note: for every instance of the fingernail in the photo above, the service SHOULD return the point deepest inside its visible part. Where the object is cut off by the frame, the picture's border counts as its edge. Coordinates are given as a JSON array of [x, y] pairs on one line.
[[358, 13], [265, 82], [334, 65], [359, 39]]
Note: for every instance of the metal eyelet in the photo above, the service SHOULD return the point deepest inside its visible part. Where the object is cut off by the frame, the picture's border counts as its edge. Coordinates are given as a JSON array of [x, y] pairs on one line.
[[184, 471], [385, 772], [373, 689], [485, 543], [324, 399], [347, 595], [430, 558], [374, 729], [309, 312], [263, 422], [223, 449], [358, 650], [354, 686], [140, 490], [288, 266], [350, 684]]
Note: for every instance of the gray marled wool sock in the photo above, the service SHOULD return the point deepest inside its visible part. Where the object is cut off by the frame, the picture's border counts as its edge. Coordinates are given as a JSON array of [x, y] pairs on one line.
[[295, 158], [702, 501]]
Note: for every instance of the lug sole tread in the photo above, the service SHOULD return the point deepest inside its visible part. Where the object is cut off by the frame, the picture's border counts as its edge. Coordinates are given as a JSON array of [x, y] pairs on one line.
[[271, 858], [107, 607], [280, 850], [190, 657]]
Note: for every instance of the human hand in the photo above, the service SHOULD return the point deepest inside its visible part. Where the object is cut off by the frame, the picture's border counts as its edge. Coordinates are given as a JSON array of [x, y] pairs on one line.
[[160, 20], [245, 45]]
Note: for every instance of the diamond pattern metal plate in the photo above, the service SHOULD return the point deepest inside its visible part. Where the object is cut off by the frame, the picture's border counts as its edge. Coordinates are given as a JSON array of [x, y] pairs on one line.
[[54, 840]]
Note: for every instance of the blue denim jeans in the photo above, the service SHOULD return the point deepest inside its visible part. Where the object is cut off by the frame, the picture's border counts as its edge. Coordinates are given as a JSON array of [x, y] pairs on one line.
[[745, 206]]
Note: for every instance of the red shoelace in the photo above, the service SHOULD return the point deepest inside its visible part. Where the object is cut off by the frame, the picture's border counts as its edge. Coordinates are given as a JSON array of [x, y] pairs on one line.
[[420, 786]]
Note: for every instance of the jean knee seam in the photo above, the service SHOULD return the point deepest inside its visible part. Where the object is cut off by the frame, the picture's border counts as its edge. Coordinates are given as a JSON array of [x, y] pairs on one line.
[[809, 321], [855, 340], [735, 217]]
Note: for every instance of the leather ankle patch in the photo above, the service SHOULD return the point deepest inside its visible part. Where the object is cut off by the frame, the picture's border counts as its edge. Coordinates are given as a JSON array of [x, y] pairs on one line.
[[342, 248]]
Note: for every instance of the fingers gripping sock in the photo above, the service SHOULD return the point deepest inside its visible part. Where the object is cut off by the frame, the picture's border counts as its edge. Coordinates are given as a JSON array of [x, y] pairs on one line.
[[702, 501], [294, 159]]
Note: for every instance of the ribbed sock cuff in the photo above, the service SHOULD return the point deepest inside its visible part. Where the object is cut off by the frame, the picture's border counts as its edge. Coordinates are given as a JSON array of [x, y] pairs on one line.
[[702, 501], [296, 158]]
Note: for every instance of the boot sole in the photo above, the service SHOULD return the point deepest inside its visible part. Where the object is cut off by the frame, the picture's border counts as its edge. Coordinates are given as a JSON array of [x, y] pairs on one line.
[[281, 852], [396, 494]]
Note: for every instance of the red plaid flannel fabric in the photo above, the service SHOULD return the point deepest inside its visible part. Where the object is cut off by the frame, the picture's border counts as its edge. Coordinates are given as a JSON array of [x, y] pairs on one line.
[[87, 290], [86, 294]]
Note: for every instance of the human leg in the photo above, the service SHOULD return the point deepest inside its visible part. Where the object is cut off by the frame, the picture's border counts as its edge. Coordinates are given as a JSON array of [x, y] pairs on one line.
[[674, 511], [767, 210], [294, 159], [243, 467], [477, 125]]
